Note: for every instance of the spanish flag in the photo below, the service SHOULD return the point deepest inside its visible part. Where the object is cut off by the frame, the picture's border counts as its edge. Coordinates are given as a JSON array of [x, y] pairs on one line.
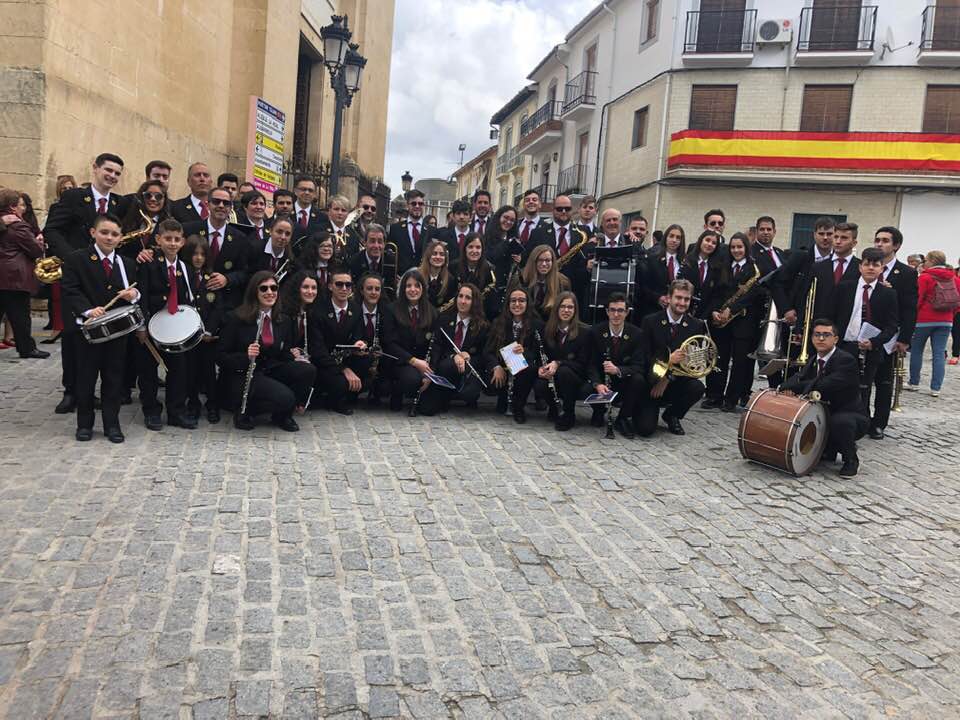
[[857, 151]]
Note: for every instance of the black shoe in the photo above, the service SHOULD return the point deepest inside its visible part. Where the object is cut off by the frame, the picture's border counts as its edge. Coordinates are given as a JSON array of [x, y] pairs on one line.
[[67, 405], [242, 422], [472, 404], [622, 426], [396, 403], [193, 411], [742, 402], [596, 420], [565, 422], [152, 422], [728, 406], [519, 415], [501, 404], [84, 434], [213, 415], [552, 412], [51, 340], [710, 404], [288, 424], [185, 422], [343, 407], [876, 433], [36, 355], [850, 467], [125, 398], [673, 425], [540, 405], [114, 435]]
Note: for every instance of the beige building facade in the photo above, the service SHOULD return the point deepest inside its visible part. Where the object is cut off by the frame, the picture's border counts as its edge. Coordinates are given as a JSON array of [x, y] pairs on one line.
[[512, 168], [172, 80], [476, 173]]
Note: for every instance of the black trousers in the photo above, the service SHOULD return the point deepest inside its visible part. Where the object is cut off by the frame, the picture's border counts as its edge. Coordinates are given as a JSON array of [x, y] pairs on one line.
[[845, 429], [276, 390], [71, 342], [570, 388], [106, 361], [15, 304], [406, 381], [176, 383], [202, 374], [329, 381], [883, 397], [523, 383], [468, 388], [681, 394], [869, 368], [734, 375]]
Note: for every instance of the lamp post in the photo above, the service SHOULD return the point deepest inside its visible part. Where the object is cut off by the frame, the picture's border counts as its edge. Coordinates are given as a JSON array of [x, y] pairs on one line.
[[346, 66]]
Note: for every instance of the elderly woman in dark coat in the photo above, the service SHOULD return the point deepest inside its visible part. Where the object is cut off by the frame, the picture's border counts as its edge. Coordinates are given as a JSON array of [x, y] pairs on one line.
[[19, 248]]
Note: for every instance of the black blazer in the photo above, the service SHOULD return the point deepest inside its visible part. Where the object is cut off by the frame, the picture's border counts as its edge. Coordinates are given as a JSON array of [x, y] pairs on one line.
[[85, 285], [654, 279], [824, 301], [154, 286], [883, 310], [209, 303], [746, 326], [474, 343], [317, 221], [838, 384], [655, 341], [408, 256], [184, 211], [450, 238], [232, 260], [236, 335], [405, 341], [330, 329], [531, 350], [780, 286], [576, 268], [903, 279], [71, 217], [573, 353], [359, 266], [259, 258], [706, 297], [629, 358]]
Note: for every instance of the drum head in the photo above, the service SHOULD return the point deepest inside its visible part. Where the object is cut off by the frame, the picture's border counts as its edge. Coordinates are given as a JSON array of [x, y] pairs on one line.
[[169, 329], [809, 439]]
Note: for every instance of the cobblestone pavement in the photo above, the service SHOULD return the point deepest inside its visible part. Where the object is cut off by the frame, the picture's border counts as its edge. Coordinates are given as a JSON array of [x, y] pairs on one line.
[[465, 567]]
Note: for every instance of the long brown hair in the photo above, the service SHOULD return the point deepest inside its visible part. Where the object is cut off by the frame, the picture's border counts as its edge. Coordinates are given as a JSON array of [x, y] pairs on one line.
[[476, 317], [553, 323], [190, 247], [250, 307], [554, 282], [401, 308], [483, 267], [502, 332], [424, 268]]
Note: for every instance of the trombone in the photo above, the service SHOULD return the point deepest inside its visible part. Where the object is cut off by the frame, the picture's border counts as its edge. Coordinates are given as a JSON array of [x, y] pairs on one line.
[[390, 252]]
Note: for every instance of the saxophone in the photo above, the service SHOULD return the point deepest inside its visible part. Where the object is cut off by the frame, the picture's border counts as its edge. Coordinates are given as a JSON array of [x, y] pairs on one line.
[[569, 254], [733, 299]]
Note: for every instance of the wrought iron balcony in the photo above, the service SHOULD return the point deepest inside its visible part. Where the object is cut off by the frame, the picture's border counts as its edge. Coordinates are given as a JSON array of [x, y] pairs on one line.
[[546, 193], [581, 90], [719, 32], [544, 114], [844, 28], [509, 160], [941, 29], [572, 180]]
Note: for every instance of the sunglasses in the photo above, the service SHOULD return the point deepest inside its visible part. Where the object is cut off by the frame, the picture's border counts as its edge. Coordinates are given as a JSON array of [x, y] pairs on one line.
[[152, 196], [267, 288], [416, 203], [369, 207], [220, 201], [342, 284], [563, 209]]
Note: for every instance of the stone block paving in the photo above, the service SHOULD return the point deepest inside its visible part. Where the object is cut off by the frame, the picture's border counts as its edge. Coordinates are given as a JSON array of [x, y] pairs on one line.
[[465, 567]]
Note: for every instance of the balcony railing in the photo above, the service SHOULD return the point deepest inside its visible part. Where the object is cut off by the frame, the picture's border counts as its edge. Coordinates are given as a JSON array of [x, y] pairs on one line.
[[572, 180], [507, 161], [720, 31], [546, 192], [581, 90], [545, 113], [941, 29], [840, 28]]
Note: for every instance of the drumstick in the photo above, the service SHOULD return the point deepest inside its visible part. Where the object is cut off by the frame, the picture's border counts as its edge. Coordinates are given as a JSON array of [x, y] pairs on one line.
[[115, 298], [153, 351]]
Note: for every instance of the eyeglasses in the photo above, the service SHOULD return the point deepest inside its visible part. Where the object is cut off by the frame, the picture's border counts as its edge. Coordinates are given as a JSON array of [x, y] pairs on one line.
[[220, 201], [566, 208], [823, 335], [152, 196], [342, 284], [267, 288], [416, 203], [616, 311], [369, 207]]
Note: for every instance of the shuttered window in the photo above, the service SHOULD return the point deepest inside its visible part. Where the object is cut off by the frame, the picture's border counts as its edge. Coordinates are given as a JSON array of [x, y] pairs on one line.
[[713, 107], [941, 114], [639, 128], [826, 108]]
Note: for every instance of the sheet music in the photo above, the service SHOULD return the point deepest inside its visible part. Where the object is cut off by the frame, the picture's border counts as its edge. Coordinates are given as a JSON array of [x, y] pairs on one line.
[[600, 398], [515, 361], [439, 380], [868, 331]]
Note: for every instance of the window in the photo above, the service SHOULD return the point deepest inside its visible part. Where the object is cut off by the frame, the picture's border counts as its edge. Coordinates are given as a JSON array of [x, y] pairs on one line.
[[503, 196], [826, 108], [835, 25], [517, 189], [639, 128], [508, 139], [651, 20], [801, 234], [941, 114], [712, 107]]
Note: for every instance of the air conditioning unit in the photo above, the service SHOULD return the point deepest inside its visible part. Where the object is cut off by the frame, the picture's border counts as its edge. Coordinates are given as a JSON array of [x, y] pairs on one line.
[[775, 32]]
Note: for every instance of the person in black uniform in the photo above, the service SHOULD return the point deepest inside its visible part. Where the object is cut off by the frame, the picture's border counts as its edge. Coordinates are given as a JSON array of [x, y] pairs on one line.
[[455, 236], [615, 353], [67, 230], [376, 324], [411, 339], [280, 384], [832, 372], [202, 360], [370, 258], [274, 253], [412, 234], [504, 251], [467, 328], [165, 286], [566, 344], [435, 268], [704, 266], [866, 300], [472, 267], [660, 266], [562, 235], [662, 334], [519, 323], [903, 280], [195, 207], [768, 258], [92, 277]]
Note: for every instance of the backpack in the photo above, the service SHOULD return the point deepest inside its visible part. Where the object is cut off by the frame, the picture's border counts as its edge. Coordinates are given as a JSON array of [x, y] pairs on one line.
[[945, 296]]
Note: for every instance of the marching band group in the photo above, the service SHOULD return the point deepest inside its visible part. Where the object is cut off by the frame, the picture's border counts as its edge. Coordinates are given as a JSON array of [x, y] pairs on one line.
[[309, 308]]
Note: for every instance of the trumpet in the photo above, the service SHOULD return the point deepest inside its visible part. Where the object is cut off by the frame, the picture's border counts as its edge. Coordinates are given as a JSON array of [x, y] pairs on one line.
[[899, 376]]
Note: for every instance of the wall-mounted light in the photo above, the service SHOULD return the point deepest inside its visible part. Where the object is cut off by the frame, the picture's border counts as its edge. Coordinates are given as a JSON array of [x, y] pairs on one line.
[[556, 157]]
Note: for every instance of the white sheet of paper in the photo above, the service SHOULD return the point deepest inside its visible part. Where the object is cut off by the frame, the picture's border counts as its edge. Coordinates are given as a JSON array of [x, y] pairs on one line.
[[868, 331], [514, 361]]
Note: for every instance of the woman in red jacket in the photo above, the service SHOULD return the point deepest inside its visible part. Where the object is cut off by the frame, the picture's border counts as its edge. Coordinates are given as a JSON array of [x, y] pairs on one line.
[[19, 248], [933, 320]]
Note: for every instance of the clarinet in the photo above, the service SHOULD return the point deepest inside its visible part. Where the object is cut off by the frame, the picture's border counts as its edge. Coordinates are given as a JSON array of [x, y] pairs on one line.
[[606, 381], [550, 383], [375, 349], [516, 338], [250, 368], [416, 400], [306, 341]]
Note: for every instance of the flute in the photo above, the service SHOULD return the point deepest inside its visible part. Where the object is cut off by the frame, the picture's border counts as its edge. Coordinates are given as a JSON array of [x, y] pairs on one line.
[[469, 366], [250, 368]]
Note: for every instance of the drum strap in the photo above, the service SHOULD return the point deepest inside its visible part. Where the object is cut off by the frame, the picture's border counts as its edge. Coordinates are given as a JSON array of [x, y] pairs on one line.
[[186, 278]]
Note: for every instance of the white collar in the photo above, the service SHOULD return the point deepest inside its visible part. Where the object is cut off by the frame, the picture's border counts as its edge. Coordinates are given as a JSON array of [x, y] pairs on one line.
[[670, 317], [268, 313], [461, 231], [211, 229], [740, 263], [298, 208], [337, 229], [613, 333], [367, 311], [175, 264], [889, 266], [336, 308], [464, 320], [817, 255], [97, 195], [829, 355], [615, 239], [411, 221], [268, 249], [861, 284], [370, 260], [111, 256]]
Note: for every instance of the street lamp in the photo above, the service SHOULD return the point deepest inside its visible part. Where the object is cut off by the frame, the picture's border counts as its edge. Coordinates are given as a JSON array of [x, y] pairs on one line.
[[346, 66]]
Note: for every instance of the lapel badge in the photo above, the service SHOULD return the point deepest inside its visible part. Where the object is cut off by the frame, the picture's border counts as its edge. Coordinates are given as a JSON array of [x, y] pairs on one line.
[[663, 322], [684, 323], [86, 198], [93, 257], [330, 316], [896, 271], [228, 264], [626, 337], [211, 297]]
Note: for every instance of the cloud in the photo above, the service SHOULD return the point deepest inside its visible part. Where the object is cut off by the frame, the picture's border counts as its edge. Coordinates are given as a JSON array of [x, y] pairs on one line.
[[455, 63]]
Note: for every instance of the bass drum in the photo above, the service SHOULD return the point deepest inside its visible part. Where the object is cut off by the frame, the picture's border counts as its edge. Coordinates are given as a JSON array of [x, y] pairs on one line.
[[783, 431], [614, 270], [176, 333]]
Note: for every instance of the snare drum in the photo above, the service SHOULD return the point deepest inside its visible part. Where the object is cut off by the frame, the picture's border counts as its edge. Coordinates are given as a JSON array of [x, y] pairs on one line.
[[113, 324], [783, 431], [176, 333]]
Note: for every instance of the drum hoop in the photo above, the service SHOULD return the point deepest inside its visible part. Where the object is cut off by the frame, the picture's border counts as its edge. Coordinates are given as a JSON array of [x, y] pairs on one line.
[[788, 446], [188, 312]]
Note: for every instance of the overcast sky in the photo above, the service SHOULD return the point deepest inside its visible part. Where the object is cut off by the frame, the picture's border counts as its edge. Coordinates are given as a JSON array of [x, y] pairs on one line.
[[455, 63]]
